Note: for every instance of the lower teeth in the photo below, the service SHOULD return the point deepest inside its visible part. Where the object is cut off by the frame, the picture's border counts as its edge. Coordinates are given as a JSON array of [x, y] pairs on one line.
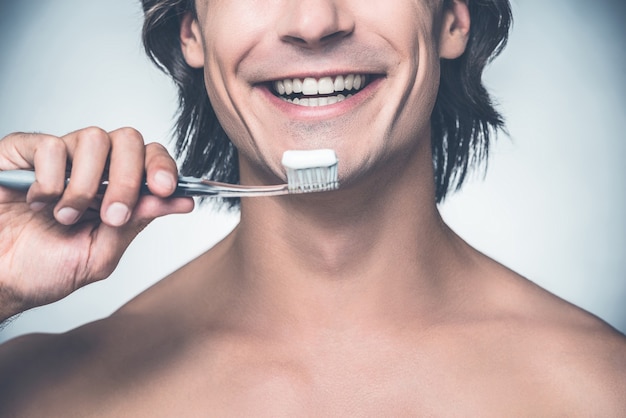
[[318, 101]]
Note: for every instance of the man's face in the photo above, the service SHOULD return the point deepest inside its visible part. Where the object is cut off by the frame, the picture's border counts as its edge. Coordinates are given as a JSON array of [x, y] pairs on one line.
[[357, 76]]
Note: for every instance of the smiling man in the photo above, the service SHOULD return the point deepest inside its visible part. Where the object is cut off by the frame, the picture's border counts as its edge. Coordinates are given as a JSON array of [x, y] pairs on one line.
[[359, 301]]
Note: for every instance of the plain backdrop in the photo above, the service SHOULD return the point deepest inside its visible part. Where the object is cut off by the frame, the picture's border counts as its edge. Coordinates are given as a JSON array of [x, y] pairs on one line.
[[552, 205]]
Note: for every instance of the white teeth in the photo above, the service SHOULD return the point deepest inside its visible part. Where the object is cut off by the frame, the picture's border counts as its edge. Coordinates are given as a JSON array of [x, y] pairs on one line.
[[348, 82], [310, 86], [288, 86], [297, 85], [339, 85], [280, 87], [325, 86], [318, 101]]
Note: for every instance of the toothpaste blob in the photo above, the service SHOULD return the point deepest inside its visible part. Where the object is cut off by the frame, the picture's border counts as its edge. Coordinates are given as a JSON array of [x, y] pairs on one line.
[[311, 170], [297, 160]]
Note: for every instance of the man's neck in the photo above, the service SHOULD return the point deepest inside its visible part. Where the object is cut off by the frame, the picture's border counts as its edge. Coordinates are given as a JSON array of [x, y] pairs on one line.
[[375, 249]]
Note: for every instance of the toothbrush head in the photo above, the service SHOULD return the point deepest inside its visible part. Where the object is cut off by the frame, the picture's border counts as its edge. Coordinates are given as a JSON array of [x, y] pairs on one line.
[[311, 170]]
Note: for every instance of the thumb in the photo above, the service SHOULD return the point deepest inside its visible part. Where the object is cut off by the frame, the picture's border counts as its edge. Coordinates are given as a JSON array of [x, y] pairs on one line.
[[150, 207], [110, 243]]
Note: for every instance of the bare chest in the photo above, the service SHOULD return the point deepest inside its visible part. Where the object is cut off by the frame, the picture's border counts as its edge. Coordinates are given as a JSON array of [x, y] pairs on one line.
[[243, 385]]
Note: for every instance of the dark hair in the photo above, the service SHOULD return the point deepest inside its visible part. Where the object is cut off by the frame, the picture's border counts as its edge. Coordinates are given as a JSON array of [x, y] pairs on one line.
[[201, 143], [463, 119]]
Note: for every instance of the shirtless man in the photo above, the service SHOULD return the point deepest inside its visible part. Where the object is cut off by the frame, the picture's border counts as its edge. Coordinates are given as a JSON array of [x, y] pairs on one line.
[[359, 302]]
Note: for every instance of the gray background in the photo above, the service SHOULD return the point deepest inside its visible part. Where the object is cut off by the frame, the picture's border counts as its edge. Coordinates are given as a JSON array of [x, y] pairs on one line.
[[552, 205]]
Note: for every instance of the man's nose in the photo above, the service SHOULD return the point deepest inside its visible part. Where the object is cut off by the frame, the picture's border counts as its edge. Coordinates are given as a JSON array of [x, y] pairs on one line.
[[314, 24]]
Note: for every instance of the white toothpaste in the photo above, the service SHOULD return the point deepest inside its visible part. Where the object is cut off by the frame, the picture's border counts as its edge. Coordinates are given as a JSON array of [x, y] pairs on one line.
[[297, 159], [311, 170]]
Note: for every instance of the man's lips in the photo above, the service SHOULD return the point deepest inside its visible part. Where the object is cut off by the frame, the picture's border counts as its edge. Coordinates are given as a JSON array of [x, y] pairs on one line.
[[322, 91]]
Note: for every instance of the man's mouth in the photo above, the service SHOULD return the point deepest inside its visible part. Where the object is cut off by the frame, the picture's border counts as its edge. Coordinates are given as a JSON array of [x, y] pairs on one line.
[[313, 92]]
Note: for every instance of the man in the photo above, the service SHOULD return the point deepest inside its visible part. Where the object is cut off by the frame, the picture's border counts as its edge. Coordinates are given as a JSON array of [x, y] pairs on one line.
[[359, 301]]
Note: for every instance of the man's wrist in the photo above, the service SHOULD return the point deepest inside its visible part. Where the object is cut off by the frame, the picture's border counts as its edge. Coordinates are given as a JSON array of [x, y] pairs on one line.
[[9, 305]]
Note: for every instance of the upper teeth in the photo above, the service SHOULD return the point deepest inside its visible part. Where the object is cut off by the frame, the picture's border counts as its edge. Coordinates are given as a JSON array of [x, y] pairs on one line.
[[325, 85]]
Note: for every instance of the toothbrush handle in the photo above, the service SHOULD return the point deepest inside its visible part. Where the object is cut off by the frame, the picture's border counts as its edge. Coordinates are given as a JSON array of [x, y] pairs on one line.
[[187, 186]]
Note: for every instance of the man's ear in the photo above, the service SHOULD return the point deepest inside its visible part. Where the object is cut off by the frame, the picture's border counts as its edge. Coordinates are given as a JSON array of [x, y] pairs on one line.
[[455, 29], [191, 41]]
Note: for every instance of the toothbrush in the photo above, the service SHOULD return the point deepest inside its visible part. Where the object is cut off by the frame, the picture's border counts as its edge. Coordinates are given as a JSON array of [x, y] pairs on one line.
[[307, 171]]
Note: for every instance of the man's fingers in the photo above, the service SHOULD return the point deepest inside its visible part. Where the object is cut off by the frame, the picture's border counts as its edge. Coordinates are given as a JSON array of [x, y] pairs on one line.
[[120, 156], [161, 170], [126, 176], [152, 207], [88, 150], [17, 150], [50, 161], [45, 152]]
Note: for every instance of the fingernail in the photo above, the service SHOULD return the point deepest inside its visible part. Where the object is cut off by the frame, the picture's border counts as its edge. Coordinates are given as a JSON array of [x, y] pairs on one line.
[[165, 180], [117, 214], [67, 216], [37, 206]]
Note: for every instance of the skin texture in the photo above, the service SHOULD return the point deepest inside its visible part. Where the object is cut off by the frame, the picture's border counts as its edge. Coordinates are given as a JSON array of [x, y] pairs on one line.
[[77, 246], [356, 302]]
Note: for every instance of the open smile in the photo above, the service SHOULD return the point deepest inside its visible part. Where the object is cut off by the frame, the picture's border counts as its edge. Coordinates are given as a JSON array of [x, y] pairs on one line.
[[315, 92]]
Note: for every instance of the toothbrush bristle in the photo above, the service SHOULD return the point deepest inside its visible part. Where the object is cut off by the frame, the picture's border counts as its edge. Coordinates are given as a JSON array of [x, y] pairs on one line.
[[315, 179], [311, 171]]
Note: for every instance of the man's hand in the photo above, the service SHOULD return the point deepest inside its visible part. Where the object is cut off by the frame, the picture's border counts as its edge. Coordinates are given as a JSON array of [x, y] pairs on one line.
[[56, 239]]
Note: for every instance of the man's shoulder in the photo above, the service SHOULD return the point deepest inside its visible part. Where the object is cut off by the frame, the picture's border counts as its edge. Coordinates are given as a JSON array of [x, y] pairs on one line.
[[41, 352], [586, 362], [568, 352], [560, 327], [31, 365], [44, 371]]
